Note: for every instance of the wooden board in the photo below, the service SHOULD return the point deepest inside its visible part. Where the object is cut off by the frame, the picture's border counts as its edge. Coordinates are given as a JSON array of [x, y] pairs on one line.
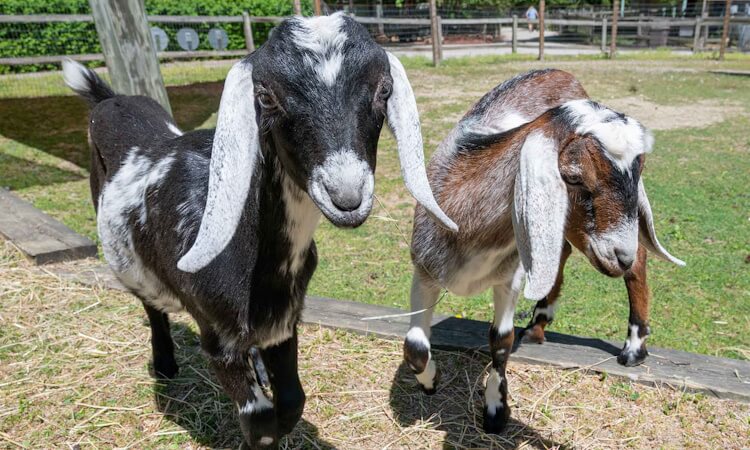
[[739, 73], [40, 237], [718, 377]]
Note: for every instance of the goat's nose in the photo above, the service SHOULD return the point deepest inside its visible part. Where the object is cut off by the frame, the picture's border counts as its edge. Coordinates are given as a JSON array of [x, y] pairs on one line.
[[624, 258], [348, 200]]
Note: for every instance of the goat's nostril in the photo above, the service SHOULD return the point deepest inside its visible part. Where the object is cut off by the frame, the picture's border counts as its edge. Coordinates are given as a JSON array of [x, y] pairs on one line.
[[624, 258], [346, 200]]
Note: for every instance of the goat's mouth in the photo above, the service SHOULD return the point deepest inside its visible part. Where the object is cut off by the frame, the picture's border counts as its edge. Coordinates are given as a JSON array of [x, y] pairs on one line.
[[603, 265], [349, 214]]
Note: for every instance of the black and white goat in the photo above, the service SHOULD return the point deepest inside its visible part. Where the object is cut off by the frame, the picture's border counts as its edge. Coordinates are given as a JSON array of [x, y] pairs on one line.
[[532, 165], [221, 222]]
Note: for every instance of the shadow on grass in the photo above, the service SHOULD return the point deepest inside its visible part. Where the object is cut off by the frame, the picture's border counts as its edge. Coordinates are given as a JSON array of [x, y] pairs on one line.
[[196, 403], [20, 173], [58, 125], [456, 408]]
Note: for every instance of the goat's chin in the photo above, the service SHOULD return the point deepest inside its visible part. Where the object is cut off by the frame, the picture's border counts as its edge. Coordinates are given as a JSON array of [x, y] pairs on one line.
[[604, 268]]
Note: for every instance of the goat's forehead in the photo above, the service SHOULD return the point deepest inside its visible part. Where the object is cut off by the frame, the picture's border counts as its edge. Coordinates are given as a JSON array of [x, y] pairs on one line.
[[622, 138]]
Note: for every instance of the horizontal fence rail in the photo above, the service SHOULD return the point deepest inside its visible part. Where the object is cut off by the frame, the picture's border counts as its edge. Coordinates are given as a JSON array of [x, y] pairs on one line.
[[575, 28]]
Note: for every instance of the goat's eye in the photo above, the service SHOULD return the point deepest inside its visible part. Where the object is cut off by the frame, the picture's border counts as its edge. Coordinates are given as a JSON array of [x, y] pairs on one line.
[[385, 91], [265, 100], [572, 180]]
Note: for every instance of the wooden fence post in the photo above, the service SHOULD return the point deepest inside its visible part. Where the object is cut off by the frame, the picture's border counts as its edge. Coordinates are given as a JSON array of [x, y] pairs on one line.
[[514, 35], [604, 35], [435, 34], [247, 28], [725, 30], [379, 15], [316, 7], [297, 8], [613, 33], [128, 51], [697, 35], [439, 20], [541, 30]]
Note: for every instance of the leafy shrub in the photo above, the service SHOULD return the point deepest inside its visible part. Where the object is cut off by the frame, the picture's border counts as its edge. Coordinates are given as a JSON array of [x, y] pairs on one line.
[[70, 38]]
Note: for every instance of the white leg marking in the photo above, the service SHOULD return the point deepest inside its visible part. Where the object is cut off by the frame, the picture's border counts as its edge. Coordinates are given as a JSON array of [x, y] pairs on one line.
[[260, 403], [505, 297], [492, 397], [634, 343], [548, 311], [427, 378], [266, 440]]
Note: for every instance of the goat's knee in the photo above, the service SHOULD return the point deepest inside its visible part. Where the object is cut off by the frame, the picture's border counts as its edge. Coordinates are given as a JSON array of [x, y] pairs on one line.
[[419, 358]]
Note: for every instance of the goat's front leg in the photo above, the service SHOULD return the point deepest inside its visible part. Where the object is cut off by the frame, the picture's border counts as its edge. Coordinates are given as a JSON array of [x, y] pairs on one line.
[[634, 351], [288, 395], [496, 409], [544, 311], [162, 346], [424, 294], [237, 376]]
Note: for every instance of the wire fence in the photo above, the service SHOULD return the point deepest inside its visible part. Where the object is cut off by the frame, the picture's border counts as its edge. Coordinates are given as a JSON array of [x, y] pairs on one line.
[[31, 46]]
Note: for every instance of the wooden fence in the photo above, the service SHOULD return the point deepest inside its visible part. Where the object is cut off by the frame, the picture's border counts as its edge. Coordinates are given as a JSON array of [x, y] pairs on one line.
[[436, 24]]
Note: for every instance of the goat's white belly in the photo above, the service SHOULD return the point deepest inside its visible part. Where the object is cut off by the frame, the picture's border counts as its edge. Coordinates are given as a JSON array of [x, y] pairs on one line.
[[479, 271]]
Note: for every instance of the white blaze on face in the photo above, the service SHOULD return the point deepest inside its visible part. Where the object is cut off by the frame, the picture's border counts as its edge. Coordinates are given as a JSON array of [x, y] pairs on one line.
[[322, 37], [622, 138]]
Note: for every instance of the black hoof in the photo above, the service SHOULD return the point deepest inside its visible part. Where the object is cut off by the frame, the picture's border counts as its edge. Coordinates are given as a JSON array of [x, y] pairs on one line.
[[632, 359], [497, 423], [531, 335], [165, 368]]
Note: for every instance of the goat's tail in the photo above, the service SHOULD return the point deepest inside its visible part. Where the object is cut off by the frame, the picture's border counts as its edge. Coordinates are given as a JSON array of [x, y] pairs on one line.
[[85, 82]]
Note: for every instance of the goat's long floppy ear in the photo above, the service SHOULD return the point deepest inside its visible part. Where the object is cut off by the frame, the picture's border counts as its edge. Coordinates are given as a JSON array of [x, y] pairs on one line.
[[403, 120], [647, 233], [540, 209], [235, 152]]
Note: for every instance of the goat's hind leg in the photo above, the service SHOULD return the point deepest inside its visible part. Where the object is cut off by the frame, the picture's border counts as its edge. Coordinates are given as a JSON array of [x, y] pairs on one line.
[[496, 409], [417, 354], [634, 352], [544, 310], [162, 346]]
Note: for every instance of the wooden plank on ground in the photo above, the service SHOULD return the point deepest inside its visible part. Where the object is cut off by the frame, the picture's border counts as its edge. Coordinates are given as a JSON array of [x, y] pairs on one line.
[[40, 237], [719, 377], [739, 73]]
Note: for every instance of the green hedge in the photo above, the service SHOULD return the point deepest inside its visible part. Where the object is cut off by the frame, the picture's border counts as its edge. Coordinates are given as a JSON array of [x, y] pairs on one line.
[[30, 39]]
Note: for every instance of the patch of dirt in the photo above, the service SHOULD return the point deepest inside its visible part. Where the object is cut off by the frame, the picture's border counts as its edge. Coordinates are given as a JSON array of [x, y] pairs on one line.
[[668, 117]]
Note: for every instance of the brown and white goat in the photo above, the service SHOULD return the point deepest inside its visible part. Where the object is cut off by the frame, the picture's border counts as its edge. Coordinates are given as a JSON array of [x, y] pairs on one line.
[[533, 165]]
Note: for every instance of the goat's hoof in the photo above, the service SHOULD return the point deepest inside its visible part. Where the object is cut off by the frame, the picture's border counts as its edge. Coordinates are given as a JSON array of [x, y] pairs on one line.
[[532, 335], [268, 444], [631, 358], [496, 423], [165, 368]]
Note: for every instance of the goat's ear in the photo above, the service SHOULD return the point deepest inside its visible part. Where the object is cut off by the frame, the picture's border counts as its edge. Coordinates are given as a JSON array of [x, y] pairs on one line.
[[235, 152], [647, 233], [540, 209], [403, 120]]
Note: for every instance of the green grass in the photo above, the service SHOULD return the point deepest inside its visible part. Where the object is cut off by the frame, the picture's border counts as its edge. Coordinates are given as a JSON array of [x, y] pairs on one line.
[[697, 179]]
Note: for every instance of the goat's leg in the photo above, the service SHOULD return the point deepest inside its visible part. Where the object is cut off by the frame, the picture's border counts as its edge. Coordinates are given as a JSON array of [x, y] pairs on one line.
[[496, 409], [544, 310], [288, 395], [162, 346], [634, 351], [235, 371], [424, 294]]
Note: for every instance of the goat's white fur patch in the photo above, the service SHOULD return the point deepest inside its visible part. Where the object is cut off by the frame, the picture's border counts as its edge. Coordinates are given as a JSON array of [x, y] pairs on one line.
[[492, 397], [260, 403], [622, 237], [123, 195], [266, 440], [511, 120], [417, 337], [478, 271], [548, 311], [403, 120], [634, 343], [236, 149], [323, 38], [302, 217], [622, 141], [427, 378], [74, 75], [505, 297], [540, 208], [173, 128]]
